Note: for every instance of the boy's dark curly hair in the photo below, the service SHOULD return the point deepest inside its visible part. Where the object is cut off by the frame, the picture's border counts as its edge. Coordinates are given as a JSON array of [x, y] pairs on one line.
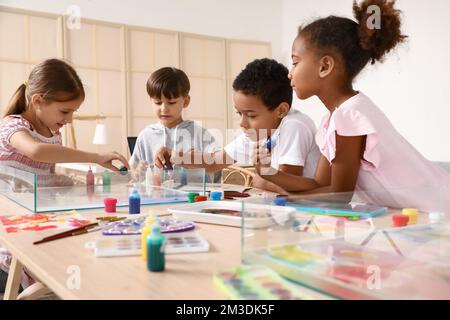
[[266, 79]]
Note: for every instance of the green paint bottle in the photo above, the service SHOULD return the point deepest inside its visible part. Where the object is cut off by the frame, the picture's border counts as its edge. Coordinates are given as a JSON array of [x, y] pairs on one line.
[[106, 177], [155, 249]]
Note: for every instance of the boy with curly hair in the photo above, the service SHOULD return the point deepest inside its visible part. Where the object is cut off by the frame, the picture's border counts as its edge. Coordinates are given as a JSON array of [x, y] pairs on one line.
[[262, 97]]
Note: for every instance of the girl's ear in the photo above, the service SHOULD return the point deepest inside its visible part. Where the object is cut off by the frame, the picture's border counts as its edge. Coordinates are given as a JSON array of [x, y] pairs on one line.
[[186, 101], [326, 66], [282, 110], [36, 100]]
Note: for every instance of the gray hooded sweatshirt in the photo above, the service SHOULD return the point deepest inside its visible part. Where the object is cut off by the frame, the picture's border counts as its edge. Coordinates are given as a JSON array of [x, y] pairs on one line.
[[183, 137]]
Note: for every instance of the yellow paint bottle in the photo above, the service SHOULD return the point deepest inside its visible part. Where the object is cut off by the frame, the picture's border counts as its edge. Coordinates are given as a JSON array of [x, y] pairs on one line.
[[145, 232], [412, 213]]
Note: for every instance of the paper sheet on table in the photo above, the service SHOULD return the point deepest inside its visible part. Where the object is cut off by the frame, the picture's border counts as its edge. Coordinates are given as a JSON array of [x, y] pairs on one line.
[[44, 221]]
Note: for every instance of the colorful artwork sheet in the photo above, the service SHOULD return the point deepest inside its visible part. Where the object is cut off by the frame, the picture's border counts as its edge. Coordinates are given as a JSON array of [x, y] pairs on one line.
[[44, 221]]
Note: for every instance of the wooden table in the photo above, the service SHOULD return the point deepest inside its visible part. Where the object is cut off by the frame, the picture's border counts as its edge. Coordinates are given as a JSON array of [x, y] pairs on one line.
[[187, 276]]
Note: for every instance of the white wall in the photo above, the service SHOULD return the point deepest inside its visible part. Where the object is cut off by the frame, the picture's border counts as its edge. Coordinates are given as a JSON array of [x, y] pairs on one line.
[[238, 19], [412, 85]]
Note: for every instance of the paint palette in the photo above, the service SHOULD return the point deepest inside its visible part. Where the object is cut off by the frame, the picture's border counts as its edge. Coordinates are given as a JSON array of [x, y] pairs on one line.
[[185, 243], [134, 226], [259, 283], [131, 245], [230, 213], [116, 246]]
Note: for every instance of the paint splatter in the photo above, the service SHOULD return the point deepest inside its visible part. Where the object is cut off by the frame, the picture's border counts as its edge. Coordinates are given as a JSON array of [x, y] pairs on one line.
[[44, 221], [12, 229], [39, 228]]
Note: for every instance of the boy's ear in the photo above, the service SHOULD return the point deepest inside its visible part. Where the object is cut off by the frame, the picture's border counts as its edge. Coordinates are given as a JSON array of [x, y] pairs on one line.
[[326, 66], [282, 110], [187, 100]]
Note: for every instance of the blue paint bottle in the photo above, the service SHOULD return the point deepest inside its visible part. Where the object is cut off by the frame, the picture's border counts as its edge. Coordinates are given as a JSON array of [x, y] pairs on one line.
[[155, 249], [280, 201], [269, 144], [134, 202], [216, 195], [123, 170]]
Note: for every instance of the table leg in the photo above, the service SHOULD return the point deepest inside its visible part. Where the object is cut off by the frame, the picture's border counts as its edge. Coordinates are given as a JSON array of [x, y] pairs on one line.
[[14, 278]]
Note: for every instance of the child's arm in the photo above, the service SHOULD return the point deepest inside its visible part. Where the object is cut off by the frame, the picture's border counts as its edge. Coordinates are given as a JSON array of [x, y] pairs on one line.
[[261, 183], [25, 144], [341, 176], [289, 182], [295, 170], [285, 178]]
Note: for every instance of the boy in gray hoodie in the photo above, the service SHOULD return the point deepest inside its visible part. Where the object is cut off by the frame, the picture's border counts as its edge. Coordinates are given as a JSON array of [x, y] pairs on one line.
[[168, 89]]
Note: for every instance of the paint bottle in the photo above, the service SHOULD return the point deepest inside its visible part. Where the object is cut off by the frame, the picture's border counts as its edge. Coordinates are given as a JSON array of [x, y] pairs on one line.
[[145, 232], [436, 217], [400, 220], [157, 177], [123, 170], [90, 178], [216, 195], [280, 201], [191, 196], [148, 180], [200, 198], [183, 177], [90, 183], [106, 181], [110, 204], [269, 144], [412, 213], [167, 174], [155, 249], [134, 202]]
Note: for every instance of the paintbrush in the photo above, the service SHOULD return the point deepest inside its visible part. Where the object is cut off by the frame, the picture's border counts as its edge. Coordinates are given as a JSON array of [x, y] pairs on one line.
[[69, 233]]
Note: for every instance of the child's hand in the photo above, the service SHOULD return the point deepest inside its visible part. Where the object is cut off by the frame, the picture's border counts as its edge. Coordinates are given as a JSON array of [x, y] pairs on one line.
[[138, 173], [106, 159], [262, 160], [259, 182], [162, 158]]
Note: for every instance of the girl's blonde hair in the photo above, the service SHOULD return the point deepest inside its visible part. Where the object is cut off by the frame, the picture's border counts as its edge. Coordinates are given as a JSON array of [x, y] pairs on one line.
[[53, 79]]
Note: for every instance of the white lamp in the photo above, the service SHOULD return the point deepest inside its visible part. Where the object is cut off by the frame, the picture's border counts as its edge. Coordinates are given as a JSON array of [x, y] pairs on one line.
[[72, 137], [100, 136]]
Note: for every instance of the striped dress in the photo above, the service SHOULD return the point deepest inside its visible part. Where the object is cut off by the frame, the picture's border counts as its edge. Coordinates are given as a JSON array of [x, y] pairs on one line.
[[9, 155]]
